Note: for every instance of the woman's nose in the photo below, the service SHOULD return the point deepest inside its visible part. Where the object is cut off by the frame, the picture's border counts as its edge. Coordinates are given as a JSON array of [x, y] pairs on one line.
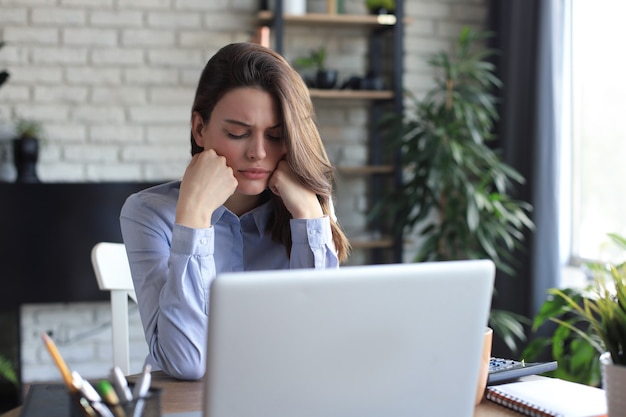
[[256, 149]]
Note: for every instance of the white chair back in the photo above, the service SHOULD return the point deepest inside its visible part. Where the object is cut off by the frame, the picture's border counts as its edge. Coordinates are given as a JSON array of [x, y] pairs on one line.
[[110, 265]]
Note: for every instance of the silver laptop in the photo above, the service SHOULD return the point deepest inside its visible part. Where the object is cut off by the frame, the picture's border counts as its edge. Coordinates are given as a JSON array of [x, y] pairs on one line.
[[368, 341]]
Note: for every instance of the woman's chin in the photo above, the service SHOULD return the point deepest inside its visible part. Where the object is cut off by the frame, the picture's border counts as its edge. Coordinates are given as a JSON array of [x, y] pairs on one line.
[[252, 189]]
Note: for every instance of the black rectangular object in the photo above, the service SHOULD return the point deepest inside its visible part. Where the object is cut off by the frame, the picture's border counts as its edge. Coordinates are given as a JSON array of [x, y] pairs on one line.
[[506, 370], [47, 232]]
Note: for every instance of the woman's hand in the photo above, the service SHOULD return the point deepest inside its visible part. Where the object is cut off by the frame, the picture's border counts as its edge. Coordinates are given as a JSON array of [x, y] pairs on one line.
[[301, 202], [206, 185]]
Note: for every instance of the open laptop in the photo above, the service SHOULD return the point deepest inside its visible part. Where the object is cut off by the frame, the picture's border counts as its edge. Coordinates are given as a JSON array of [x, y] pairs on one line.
[[367, 341]]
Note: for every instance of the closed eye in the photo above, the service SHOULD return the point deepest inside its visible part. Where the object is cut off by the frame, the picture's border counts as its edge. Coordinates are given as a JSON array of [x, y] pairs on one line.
[[274, 134], [235, 136]]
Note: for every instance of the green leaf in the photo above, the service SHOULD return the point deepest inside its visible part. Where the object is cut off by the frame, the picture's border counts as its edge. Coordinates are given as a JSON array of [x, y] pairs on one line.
[[508, 325], [535, 349], [7, 371]]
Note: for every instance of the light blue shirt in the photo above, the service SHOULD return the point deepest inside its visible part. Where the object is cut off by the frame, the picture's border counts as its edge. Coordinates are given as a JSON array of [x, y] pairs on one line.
[[173, 266]]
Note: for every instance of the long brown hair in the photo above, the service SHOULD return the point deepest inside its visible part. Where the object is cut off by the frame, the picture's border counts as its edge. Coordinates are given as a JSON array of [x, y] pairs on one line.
[[250, 65]]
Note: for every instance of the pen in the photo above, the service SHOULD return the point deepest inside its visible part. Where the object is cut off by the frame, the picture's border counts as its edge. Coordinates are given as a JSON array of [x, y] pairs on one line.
[[85, 388], [107, 392], [58, 360], [143, 385], [87, 408], [90, 393], [141, 389], [120, 384]]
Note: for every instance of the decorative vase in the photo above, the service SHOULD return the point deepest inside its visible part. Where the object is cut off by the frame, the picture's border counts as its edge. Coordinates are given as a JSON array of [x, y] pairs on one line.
[[292, 7], [25, 156], [326, 79], [614, 383]]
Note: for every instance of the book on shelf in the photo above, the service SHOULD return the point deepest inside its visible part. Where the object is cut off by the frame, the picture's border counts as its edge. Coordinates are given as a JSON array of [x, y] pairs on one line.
[[550, 397]]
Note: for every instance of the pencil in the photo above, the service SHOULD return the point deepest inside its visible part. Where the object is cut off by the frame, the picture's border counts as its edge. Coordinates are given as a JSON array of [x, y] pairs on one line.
[[58, 360]]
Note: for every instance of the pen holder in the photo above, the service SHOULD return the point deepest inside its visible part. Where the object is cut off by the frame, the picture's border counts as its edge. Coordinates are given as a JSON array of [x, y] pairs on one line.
[[146, 406]]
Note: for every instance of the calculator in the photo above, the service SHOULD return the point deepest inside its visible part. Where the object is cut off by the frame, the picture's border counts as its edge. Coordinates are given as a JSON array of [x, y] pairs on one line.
[[502, 370]]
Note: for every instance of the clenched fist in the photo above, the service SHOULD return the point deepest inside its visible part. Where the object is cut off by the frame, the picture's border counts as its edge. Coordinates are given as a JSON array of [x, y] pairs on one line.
[[208, 182]]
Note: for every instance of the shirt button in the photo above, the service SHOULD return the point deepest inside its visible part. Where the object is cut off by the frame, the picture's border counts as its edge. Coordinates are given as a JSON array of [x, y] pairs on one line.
[[314, 232], [203, 241]]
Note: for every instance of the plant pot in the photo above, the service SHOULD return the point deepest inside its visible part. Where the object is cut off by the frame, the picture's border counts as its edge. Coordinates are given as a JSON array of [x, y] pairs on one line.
[[326, 79], [381, 10], [614, 383], [292, 7], [25, 156]]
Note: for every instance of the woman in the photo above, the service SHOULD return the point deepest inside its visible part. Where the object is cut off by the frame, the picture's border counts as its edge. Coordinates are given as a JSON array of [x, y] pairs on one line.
[[256, 195]]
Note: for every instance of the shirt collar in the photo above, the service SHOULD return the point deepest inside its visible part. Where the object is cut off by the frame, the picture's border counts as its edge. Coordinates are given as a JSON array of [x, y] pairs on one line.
[[261, 216], [218, 214]]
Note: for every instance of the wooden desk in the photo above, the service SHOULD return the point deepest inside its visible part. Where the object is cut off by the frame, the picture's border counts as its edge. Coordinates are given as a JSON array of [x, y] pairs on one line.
[[180, 396], [177, 396]]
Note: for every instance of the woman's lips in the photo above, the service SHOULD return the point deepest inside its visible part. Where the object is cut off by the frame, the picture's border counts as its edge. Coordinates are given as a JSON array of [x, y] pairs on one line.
[[255, 173]]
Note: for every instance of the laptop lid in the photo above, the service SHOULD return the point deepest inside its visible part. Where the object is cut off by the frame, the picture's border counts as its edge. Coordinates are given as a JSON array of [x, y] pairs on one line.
[[377, 340]]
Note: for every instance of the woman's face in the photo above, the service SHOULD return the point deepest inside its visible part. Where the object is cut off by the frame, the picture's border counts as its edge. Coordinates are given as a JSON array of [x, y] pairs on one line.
[[245, 128]]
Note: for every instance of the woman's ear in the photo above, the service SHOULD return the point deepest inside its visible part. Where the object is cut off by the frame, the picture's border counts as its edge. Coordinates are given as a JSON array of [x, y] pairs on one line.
[[197, 128]]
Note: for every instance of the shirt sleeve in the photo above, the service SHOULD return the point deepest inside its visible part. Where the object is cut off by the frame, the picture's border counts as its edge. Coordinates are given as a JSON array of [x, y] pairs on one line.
[[312, 244], [171, 279]]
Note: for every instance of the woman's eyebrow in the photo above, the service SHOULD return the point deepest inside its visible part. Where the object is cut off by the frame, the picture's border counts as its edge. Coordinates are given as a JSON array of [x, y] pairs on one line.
[[237, 122], [244, 124]]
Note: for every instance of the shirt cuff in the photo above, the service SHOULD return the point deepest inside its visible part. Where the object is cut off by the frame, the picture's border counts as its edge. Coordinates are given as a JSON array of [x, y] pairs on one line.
[[198, 242], [314, 232]]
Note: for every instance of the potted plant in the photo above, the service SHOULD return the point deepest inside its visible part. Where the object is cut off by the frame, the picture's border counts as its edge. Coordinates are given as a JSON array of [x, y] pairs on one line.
[[380, 6], [26, 149], [578, 359], [316, 59], [455, 195], [595, 318]]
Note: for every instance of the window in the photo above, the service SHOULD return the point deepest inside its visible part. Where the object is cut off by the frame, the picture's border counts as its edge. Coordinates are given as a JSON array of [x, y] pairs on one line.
[[598, 127]]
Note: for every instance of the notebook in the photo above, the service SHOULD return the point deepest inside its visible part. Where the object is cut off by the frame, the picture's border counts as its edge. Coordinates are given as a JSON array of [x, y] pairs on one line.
[[545, 397], [361, 341]]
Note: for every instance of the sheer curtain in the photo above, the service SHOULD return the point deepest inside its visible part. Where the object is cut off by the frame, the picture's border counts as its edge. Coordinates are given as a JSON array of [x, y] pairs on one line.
[[553, 165], [530, 36]]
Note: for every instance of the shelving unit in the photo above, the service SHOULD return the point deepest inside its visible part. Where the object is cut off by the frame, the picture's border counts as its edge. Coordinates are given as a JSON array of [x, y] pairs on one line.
[[352, 94], [331, 19], [366, 170], [382, 245]]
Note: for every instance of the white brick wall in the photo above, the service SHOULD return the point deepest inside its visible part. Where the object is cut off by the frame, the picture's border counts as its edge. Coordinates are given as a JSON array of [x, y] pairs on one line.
[[113, 83], [82, 333]]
